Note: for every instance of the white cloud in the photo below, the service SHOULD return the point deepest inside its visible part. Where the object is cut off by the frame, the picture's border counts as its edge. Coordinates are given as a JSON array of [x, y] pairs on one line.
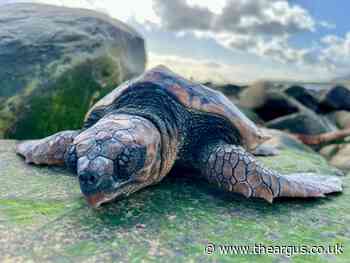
[[206, 70], [337, 51], [267, 17]]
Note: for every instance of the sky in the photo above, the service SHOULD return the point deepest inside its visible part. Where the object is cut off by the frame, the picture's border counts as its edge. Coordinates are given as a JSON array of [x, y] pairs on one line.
[[237, 41]]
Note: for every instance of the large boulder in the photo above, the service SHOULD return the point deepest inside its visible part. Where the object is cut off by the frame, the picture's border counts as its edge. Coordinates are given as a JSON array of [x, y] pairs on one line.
[[55, 62]]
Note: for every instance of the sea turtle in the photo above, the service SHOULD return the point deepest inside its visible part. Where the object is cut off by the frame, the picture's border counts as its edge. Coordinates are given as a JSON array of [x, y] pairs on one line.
[[136, 134]]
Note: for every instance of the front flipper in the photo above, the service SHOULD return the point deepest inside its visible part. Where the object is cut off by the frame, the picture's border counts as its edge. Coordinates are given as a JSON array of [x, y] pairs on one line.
[[49, 150], [233, 169]]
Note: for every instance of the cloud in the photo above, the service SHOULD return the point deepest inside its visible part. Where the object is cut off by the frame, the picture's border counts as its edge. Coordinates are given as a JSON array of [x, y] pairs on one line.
[[203, 70], [277, 47], [207, 70], [263, 17], [260, 27], [177, 15], [266, 17], [336, 51]]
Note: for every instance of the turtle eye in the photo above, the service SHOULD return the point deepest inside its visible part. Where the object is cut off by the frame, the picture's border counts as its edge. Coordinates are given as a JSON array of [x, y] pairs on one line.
[[129, 162], [123, 167]]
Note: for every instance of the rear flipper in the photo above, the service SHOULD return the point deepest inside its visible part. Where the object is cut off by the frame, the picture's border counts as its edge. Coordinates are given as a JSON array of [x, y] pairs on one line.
[[50, 150], [235, 170], [308, 185]]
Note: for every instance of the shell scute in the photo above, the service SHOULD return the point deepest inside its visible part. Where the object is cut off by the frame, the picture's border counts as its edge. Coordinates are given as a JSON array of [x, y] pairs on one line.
[[192, 96]]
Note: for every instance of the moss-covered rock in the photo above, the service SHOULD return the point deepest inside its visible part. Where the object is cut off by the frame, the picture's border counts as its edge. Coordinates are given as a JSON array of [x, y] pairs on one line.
[[55, 62], [43, 217]]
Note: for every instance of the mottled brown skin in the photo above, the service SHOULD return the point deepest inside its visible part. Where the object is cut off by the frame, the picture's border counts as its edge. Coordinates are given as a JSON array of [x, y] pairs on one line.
[[120, 152], [232, 168], [50, 150], [134, 136]]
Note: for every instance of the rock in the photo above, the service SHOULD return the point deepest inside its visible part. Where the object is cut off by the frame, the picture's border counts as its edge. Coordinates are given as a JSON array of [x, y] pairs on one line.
[[272, 100], [268, 101], [337, 98], [265, 150], [44, 217], [304, 96], [341, 159], [329, 151], [284, 141], [255, 95], [277, 105], [56, 62], [343, 119], [302, 123]]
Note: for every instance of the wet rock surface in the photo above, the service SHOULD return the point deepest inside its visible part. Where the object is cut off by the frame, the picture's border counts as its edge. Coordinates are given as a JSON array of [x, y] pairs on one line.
[[43, 216]]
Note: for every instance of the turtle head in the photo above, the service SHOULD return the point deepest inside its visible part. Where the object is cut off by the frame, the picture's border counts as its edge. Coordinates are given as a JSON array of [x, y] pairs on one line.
[[117, 156]]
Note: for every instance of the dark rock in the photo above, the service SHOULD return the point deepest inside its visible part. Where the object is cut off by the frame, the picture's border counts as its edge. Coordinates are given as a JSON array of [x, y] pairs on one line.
[[56, 62], [304, 96], [337, 98], [268, 101], [276, 105]]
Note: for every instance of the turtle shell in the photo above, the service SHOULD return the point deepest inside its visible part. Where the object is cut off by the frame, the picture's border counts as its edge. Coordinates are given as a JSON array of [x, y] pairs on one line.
[[191, 95]]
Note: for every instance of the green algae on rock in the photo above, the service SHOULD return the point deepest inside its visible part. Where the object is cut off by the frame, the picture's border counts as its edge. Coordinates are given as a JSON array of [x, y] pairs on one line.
[[44, 218], [56, 63]]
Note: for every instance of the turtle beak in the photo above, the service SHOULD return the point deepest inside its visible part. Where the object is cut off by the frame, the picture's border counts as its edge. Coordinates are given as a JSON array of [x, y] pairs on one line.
[[96, 200]]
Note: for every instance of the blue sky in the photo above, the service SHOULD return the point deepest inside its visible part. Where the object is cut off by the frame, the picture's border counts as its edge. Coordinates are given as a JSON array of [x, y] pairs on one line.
[[335, 12], [238, 40]]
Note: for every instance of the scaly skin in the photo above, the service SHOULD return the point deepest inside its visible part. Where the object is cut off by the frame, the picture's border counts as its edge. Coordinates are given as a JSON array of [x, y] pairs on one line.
[[233, 169], [50, 150]]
